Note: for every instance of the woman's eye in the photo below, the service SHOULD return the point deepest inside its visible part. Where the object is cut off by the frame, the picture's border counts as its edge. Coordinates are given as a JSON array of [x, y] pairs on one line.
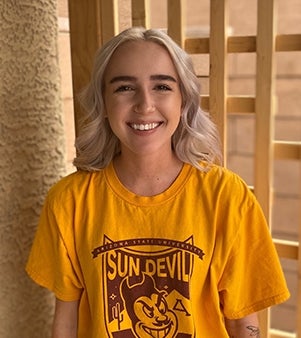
[[163, 87], [123, 89]]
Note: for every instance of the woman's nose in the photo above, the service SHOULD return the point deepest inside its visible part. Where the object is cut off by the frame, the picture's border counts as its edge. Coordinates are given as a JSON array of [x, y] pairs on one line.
[[144, 103]]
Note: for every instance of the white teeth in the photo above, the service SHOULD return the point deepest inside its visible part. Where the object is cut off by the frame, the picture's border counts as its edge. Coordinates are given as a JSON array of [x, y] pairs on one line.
[[147, 126]]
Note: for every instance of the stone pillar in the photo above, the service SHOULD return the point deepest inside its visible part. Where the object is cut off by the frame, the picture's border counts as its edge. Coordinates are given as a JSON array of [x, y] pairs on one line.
[[32, 154]]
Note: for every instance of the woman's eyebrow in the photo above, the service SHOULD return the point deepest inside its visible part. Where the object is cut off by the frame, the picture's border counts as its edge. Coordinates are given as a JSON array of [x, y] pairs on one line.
[[125, 78], [122, 78], [164, 77]]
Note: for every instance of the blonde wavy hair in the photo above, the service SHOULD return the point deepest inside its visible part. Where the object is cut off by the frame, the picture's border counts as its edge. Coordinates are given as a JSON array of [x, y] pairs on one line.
[[195, 139]]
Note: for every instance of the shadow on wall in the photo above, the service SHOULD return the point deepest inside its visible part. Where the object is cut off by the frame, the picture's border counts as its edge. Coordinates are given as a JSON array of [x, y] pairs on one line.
[[32, 155]]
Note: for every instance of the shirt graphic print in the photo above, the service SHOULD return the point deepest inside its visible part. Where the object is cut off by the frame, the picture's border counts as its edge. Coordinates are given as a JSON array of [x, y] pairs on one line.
[[146, 291]]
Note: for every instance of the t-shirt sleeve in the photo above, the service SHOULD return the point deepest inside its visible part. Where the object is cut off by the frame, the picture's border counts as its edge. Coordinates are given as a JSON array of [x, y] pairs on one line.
[[52, 261], [252, 277]]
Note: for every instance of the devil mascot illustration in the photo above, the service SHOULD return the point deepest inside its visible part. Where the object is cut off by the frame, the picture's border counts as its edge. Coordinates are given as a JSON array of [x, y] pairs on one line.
[[148, 309]]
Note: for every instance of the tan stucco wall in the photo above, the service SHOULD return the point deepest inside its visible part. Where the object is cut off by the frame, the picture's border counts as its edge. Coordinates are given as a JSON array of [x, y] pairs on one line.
[[31, 154]]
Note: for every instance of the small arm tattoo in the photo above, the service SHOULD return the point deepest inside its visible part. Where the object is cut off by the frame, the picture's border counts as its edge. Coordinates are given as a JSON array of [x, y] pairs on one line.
[[255, 332]]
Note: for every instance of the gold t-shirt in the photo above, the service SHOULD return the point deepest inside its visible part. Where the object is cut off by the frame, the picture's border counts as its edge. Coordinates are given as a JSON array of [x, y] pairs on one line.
[[170, 265]]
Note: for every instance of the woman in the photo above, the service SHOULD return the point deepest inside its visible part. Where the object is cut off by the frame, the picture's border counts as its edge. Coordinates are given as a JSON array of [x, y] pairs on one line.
[[150, 238]]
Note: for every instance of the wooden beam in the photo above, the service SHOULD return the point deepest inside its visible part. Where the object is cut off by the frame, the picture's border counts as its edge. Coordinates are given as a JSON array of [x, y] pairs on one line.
[[287, 249], [218, 67], [85, 38], [235, 104], [240, 104], [235, 44], [140, 13], [244, 44], [241, 44], [265, 109], [288, 43], [204, 102], [176, 20], [92, 23], [264, 104], [197, 45], [287, 150], [109, 19]]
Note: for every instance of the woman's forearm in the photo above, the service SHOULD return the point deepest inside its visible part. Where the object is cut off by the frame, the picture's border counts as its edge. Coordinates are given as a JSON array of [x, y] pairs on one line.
[[65, 319], [243, 328]]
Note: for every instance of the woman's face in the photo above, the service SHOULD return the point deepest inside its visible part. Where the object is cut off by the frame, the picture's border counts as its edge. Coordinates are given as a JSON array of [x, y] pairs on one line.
[[142, 97]]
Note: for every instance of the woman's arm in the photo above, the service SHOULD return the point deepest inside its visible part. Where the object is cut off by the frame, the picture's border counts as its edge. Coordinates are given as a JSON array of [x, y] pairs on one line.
[[243, 328], [65, 319]]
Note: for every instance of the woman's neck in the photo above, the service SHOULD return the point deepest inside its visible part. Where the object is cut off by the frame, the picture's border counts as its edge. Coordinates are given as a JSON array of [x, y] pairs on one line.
[[147, 176]]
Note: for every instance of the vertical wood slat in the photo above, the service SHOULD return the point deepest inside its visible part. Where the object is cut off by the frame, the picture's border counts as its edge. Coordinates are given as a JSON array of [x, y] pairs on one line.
[[140, 13], [264, 103], [85, 37], [176, 20], [218, 67], [109, 19], [264, 108], [92, 23]]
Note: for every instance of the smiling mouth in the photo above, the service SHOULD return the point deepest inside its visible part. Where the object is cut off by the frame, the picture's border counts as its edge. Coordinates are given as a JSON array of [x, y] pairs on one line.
[[144, 126], [158, 333]]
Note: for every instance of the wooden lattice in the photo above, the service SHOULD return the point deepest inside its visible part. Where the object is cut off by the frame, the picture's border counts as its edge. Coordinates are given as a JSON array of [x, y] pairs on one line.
[[95, 21]]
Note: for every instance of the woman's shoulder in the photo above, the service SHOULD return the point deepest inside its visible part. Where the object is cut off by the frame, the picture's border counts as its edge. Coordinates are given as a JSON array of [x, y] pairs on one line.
[[221, 179], [225, 187], [218, 173], [75, 183]]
